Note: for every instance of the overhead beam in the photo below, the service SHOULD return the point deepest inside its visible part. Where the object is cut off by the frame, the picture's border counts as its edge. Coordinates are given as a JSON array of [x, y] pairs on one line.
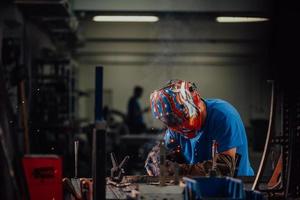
[[162, 58], [173, 5], [176, 28], [162, 48], [174, 40], [159, 63], [167, 54]]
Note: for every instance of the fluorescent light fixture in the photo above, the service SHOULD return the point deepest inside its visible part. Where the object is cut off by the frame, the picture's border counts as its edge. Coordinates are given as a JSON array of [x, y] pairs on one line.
[[103, 18], [240, 19]]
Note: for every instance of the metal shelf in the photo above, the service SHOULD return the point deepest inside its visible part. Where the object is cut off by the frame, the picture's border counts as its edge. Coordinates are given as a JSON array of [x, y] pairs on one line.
[[53, 8], [55, 16]]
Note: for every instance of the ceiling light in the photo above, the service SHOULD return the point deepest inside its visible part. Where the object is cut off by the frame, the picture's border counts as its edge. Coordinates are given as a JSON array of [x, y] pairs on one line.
[[125, 19], [240, 19]]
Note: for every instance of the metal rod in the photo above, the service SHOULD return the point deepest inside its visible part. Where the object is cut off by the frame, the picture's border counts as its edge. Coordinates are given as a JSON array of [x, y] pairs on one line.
[[76, 146], [213, 154], [124, 161], [113, 159], [268, 140], [24, 115]]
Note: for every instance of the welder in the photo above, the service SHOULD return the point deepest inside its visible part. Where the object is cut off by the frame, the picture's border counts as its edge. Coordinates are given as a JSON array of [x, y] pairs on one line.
[[192, 125]]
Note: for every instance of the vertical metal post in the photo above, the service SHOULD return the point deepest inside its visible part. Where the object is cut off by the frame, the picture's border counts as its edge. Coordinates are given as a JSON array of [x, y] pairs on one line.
[[213, 154], [76, 146], [24, 117], [212, 171], [99, 138]]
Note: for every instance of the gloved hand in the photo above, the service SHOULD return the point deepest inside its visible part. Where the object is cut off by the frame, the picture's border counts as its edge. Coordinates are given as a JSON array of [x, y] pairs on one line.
[[171, 167], [224, 167], [152, 161], [153, 169], [225, 164], [199, 169]]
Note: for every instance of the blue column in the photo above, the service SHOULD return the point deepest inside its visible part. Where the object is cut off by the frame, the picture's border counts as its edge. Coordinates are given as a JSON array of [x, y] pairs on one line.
[[99, 138], [99, 94]]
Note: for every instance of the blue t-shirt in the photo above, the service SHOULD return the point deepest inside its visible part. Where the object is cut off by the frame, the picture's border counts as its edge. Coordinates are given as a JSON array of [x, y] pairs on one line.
[[223, 124]]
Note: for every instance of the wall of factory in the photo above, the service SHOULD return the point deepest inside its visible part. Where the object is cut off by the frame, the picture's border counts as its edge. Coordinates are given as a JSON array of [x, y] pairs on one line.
[[243, 86]]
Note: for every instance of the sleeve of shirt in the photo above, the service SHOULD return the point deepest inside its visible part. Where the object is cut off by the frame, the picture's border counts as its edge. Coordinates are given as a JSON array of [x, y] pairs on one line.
[[170, 139], [228, 132]]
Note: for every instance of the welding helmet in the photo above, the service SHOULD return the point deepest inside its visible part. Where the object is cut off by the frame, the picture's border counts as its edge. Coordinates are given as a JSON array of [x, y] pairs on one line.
[[177, 105]]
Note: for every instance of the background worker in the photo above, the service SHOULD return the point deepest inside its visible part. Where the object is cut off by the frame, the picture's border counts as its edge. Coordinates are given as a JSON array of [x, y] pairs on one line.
[[192, 124], [135, 113]]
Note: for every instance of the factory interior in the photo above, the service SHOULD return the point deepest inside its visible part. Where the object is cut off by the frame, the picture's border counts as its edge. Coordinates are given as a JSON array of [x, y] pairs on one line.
[[82, 81]]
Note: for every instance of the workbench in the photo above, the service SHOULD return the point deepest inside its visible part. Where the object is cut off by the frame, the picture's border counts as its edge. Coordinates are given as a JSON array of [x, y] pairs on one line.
[[141, 187], [144, 187]]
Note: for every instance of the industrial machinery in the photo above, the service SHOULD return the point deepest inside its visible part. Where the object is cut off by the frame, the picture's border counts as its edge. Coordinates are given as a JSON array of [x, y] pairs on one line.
[[285, 113]]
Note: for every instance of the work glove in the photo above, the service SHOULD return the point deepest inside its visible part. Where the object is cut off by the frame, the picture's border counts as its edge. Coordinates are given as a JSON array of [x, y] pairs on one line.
[[225, 166], [152, 161], [199, 169]]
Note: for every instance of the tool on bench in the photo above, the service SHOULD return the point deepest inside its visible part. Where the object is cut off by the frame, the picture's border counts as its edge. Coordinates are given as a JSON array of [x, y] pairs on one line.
[[117, 171]]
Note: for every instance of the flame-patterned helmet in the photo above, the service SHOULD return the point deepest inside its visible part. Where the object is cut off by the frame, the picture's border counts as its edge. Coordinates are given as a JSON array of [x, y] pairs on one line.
[[177, 105]]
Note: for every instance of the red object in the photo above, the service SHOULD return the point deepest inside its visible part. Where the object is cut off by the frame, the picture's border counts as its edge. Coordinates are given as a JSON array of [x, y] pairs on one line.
[[43, 176]]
